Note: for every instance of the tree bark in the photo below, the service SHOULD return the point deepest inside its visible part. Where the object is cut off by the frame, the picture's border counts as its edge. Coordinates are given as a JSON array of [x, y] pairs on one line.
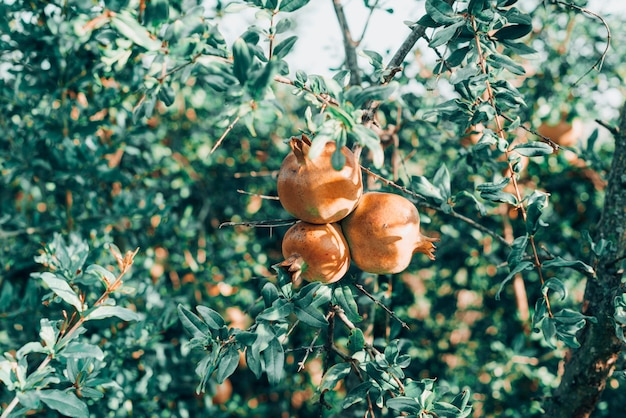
[[586, 373]]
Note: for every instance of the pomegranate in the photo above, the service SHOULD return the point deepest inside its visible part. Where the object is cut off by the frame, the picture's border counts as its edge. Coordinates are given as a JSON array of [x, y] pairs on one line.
[[315, 253], [312, 190], [383, 233]]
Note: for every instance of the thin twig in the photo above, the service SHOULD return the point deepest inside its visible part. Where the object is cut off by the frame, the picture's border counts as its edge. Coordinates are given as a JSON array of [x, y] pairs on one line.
[[230, 128], [262, 196], [271, 223], [395, 64], [598, 64], [382, 305]]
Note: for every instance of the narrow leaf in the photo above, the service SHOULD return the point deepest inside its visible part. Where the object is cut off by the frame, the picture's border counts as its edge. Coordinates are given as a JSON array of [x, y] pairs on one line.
[[524, 265], [333, 375], [63, 290], [242, 59], [66, 403], [283, 48], [441, 12], [227, 364], [533, 149], [274, 357], [127, 25], [211, 317], [105, 311]]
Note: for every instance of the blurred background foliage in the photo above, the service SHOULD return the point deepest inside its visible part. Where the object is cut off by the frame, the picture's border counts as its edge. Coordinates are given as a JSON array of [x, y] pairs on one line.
[[108, 133]]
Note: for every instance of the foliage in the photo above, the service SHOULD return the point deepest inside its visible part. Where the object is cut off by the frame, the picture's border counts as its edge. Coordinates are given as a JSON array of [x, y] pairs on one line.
[[136, 125]]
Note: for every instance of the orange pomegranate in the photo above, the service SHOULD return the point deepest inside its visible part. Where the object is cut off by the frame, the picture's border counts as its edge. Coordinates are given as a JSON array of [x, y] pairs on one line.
[[315, 253], [312, 190], [383, 233]]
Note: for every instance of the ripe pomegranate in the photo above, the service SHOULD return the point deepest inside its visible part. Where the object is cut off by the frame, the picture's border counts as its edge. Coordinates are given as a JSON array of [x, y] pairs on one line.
[[312, 190], [383, 233], [315, 253]]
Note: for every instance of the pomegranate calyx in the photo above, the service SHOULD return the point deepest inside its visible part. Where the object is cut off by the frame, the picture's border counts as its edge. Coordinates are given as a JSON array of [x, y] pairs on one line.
[[293, 266]]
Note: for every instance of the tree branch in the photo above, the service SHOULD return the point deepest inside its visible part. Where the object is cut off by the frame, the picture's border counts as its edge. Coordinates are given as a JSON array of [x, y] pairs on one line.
[[585, 375], [395, 65], [348, 45]]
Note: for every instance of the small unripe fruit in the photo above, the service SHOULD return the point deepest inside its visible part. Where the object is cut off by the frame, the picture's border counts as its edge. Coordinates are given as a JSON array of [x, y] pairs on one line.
[[312, 190], [383, 233], [315, 253]]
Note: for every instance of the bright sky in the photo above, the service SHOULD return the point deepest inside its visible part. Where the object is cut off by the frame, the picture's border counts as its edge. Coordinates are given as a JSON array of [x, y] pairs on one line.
[[320, 43]]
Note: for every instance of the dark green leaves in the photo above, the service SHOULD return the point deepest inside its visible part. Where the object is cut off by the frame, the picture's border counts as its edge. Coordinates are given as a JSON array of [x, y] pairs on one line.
[[242, 60], [284, 47], [494, 192], [67, 403], [441, 12], [128, 26], [533, 149]]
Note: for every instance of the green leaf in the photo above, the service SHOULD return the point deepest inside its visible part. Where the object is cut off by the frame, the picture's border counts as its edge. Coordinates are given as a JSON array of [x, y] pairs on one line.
[[283, 25], [541, 312], [63, 290], [157, 12], [442, 181], [357, 394], [377, 92], [533, 149], [274, 358], [253, 361], [493, 187], [512, 32], [242, 60], [311, 315], [292, 5], [441, 12], [500, 197], [166, 95], [573, 264], [502, 61], [227, 364], [337, 159], [269, 293], [192, 323], [423, 187], [537, 203], [524, 265], [356, 340], [76, 349], [127, 25], [279, 310], [457, 56], [556, 285], [66, 403], [333, 375], [106, 311], [344, 297], [548, 328], [106, 276], [446, 34], [211, 317], [371, 141], [404, 404], [518, 48], [518, 250], [283, 48], [262, 78]]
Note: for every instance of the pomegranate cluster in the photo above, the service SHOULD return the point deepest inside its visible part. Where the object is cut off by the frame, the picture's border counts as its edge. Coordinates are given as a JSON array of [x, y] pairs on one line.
[[339, 223]]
